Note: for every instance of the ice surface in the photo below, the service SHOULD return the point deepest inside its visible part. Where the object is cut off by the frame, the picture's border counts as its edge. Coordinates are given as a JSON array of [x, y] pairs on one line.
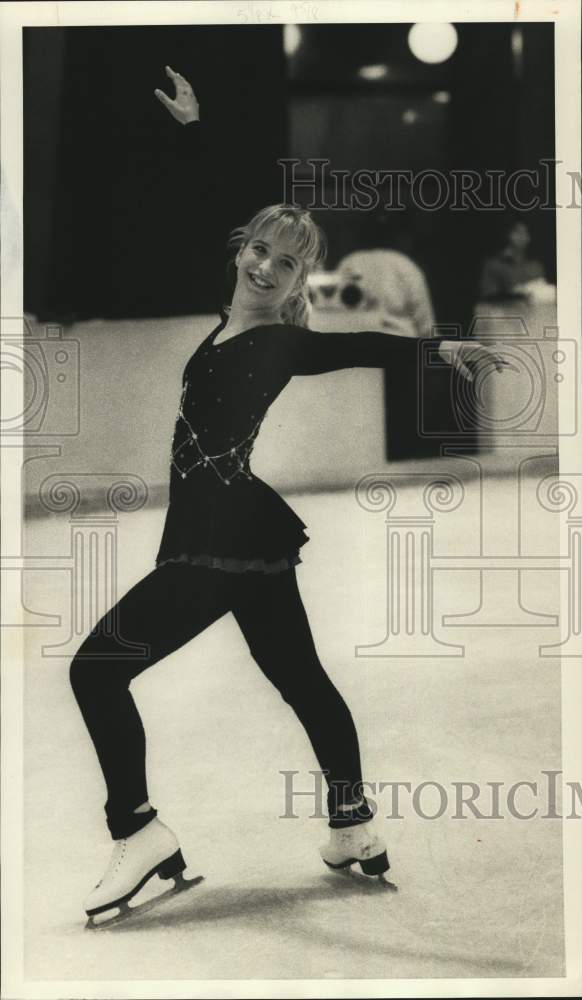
[[476, 897]]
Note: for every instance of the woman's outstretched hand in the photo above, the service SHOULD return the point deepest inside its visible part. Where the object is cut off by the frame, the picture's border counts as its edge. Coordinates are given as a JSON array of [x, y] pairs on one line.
[[184, 107], [462, 353]]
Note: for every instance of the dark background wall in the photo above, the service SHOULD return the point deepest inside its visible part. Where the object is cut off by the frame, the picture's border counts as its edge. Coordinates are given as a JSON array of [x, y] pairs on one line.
[[490, 106], [502, 118], [120, 221]]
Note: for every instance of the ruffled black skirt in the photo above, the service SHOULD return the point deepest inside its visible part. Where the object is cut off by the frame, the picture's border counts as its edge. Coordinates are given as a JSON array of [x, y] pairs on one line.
[[244, 522]]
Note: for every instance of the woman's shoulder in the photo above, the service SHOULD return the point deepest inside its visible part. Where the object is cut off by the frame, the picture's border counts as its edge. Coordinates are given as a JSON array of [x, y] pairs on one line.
[[287, 333], [286, 342]]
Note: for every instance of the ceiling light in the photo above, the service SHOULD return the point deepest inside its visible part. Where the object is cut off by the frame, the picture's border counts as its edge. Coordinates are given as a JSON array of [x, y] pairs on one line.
[[375, 72], [432, 43]]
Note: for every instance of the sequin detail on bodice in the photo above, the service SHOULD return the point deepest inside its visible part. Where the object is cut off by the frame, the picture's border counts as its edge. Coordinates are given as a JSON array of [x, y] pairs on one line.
[[190, 454]]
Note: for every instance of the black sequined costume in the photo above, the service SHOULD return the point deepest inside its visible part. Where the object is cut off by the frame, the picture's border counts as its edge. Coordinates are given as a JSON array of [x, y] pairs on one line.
[[220, 514]]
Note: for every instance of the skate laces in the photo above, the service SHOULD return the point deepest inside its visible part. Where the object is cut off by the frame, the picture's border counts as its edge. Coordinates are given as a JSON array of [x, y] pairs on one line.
[[115, 860]]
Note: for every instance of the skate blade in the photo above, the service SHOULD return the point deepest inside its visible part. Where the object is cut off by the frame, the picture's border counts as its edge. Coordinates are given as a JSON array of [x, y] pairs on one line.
[[103, 921], [373, 881]]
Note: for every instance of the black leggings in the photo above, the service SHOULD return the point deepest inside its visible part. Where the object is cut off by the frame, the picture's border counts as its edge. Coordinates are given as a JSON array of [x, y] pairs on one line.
[[167, 608]]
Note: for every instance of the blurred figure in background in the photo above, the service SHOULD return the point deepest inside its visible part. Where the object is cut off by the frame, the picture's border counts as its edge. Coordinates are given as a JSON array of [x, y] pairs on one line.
[[511, 272], [389, 279]]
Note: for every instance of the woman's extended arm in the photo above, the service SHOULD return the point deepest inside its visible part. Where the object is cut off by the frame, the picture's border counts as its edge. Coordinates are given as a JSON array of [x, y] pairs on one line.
[[314, 353]]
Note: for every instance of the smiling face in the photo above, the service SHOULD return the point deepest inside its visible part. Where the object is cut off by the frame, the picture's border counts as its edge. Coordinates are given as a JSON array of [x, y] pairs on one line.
[[269, 270]]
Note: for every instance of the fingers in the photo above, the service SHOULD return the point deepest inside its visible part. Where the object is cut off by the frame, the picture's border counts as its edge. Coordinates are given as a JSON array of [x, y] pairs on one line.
[[488, 354], [166, 101], [178, 80], [466, 372], [495, 359], [500, 362]]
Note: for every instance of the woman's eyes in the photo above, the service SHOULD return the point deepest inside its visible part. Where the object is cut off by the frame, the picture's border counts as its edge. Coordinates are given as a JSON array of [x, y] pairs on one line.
[[260, 249]]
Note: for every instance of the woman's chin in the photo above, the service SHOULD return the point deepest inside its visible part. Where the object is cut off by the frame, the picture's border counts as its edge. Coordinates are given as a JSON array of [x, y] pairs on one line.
[[260, 302]]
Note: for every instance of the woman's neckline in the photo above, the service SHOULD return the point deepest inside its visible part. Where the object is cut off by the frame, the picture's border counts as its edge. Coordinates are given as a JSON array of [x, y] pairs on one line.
[[243, 333]]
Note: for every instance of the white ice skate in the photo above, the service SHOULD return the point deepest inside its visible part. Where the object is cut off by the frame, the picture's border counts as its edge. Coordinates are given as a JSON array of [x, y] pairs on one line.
[[356, 844], [153, 850]]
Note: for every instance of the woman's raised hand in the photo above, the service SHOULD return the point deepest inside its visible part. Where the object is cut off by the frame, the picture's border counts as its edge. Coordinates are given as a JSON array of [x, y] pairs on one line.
[[462, 353], [184, 107]]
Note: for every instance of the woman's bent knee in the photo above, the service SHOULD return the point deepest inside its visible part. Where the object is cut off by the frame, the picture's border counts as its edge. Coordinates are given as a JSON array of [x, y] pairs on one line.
[[313, 687], [92, 672]]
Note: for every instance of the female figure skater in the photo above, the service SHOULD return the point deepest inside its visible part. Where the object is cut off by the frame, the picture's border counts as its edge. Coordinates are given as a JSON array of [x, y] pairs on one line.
[[230, 543]]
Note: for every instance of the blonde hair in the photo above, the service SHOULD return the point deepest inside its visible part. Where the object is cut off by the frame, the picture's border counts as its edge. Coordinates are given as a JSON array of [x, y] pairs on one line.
[[309, 241]]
